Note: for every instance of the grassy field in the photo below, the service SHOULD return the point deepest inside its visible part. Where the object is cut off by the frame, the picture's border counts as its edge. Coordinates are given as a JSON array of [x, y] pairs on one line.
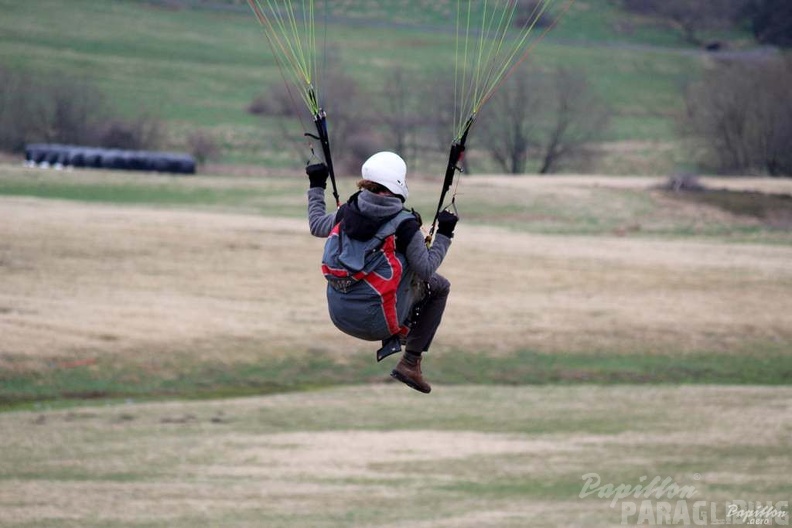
[[200, 68], [596, 325], [379, 456], [119, 285]]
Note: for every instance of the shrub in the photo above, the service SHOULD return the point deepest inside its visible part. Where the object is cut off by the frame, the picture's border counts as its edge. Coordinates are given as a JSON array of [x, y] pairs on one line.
[[59, 109], [280, 100], [742, 113], [203, 146], [528, 12], [143, 133], [47, 109]]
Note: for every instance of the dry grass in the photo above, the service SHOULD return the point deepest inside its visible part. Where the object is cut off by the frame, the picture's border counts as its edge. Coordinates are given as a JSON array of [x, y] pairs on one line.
[[136, 285], [617, 294], [379, 457], [84, 281], [117, 280]]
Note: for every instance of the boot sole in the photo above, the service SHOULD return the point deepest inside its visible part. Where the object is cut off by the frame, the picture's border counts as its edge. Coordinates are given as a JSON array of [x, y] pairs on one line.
[[410, 383]]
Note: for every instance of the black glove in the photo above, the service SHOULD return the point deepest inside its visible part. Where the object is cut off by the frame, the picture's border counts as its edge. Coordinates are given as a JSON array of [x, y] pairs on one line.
[[446, 222], [318, 174]]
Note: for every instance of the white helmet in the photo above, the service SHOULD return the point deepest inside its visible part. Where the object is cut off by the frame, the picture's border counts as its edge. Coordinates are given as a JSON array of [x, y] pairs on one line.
[[389, 170]]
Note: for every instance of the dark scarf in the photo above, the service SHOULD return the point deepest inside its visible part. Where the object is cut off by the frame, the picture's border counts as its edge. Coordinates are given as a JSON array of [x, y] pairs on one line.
[[365, 212]]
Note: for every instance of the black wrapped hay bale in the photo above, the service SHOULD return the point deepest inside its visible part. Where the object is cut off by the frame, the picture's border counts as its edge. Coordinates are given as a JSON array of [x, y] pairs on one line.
[[54, 155]]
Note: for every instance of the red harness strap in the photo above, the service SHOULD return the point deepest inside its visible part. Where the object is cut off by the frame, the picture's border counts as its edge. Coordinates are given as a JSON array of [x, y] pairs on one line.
[[340, 272], [386, 287]]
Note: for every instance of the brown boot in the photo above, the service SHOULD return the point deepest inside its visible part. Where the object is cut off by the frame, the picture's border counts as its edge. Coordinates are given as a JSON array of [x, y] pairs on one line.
[[408, 371]]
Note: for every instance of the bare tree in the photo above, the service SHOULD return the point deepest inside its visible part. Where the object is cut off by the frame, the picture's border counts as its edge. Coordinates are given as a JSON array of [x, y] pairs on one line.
[[348, 117], [509, 126], [742, 112], [401, 116], [60, 109], [347, 108], [440, 108], [280, 99], [144, 132], [17, 99], [549, 116], [438, 111], [576, 116], [48, 109], [71, 112], [203, 146]]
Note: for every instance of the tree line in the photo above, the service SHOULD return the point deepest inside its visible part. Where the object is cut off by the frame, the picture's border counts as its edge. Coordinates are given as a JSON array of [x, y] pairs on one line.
[[737, 118], [64, 110]]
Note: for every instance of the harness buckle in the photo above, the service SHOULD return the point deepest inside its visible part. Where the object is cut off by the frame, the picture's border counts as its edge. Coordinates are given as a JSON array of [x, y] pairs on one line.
[[341, 285]]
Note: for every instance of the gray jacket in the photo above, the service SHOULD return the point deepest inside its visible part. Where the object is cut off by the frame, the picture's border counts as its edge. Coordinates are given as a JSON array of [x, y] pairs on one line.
[[422, 260]]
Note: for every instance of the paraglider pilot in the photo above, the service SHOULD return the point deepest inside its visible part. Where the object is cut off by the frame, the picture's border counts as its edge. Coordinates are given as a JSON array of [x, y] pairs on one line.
[[382, 279]]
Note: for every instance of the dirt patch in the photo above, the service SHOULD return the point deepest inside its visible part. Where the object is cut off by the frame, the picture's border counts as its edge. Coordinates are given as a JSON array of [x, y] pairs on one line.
[[773, 210]]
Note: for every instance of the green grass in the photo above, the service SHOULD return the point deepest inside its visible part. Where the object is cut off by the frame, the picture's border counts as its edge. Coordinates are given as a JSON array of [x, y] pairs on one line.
[[182, 65], [554, 209], [179, 376], [201, 67], [167, 194], [274, 197], [379, 456]]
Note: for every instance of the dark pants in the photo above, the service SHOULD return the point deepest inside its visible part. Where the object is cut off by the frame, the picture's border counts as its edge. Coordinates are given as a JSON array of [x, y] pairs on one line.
[[433, 305]]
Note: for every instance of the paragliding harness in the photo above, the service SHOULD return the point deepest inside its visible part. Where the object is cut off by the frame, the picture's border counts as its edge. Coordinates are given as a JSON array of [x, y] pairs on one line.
[[370, 288]]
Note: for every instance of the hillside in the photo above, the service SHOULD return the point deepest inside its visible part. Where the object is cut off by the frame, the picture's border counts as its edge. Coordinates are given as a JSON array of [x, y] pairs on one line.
[[198, 65]]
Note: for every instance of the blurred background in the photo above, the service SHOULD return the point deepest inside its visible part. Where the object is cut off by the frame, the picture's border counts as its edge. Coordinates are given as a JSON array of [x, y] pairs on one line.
[[652, 87]]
